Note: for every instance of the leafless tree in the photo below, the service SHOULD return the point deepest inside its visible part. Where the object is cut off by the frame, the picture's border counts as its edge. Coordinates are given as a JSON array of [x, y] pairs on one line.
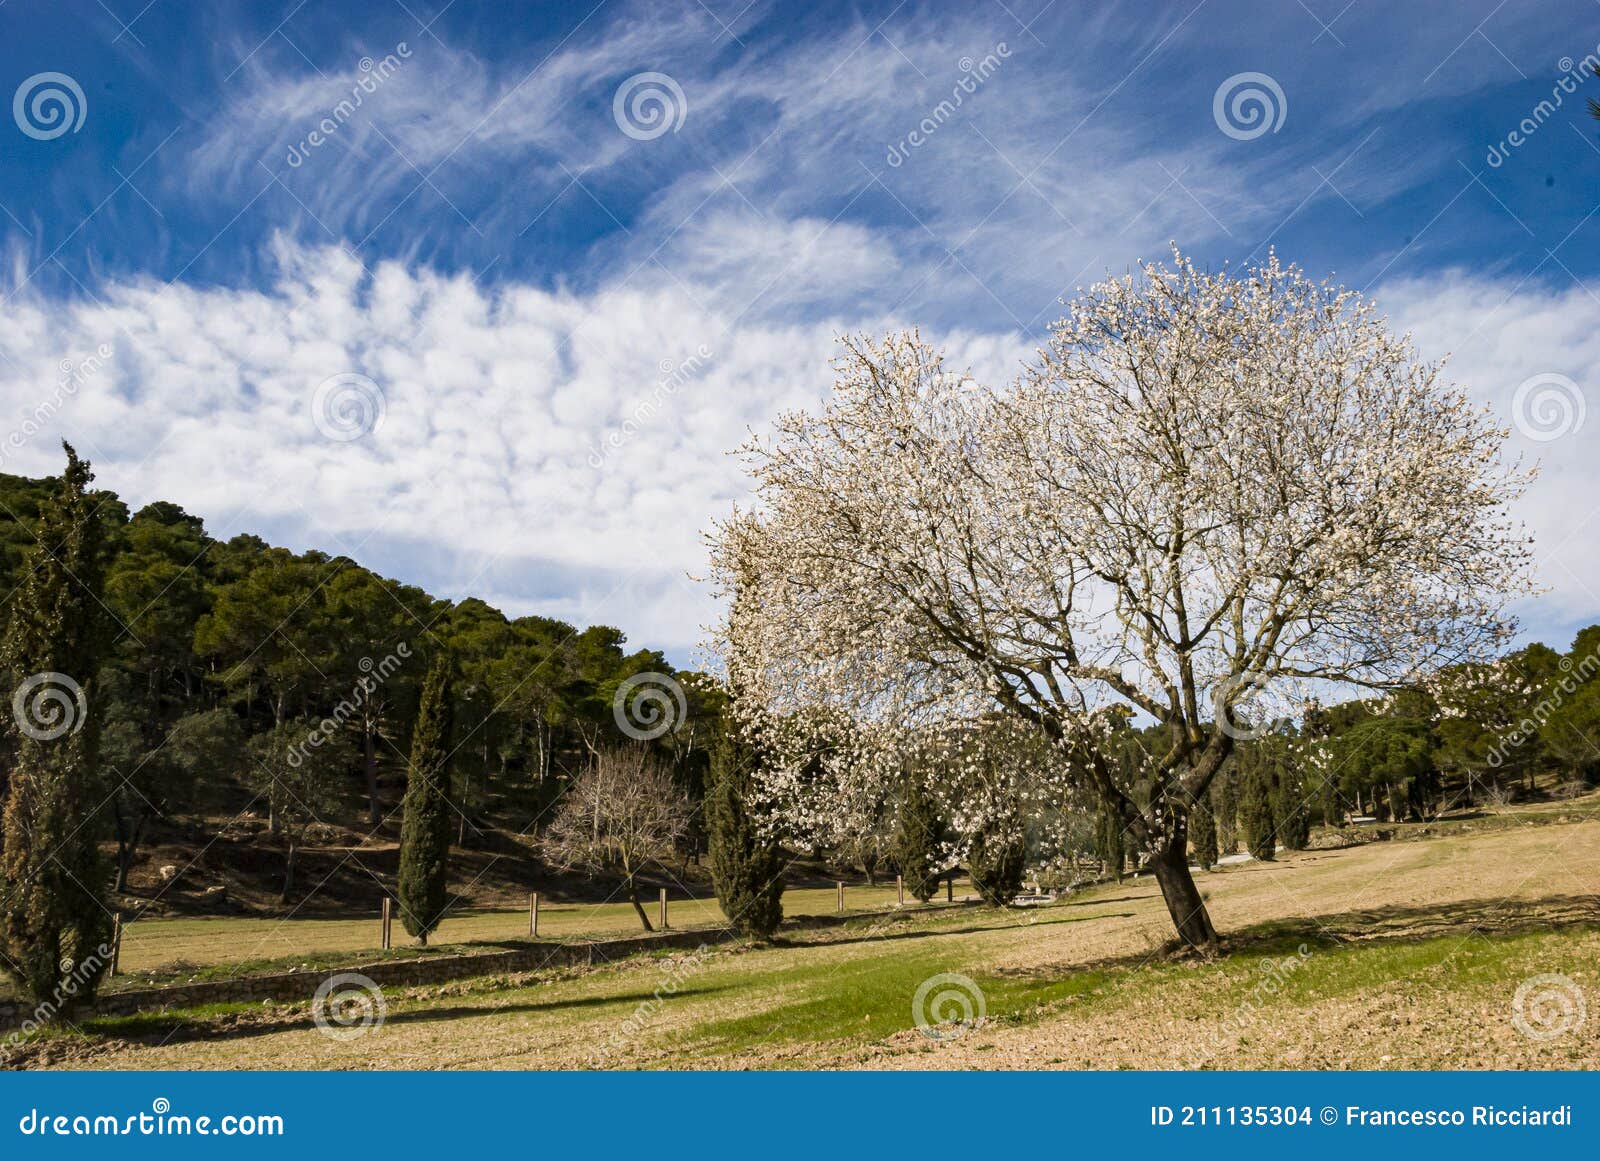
[[623, 812]]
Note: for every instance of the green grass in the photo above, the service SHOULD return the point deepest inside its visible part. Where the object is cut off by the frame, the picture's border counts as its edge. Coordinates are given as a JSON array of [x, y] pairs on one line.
[[160, 951], [868, 1000]]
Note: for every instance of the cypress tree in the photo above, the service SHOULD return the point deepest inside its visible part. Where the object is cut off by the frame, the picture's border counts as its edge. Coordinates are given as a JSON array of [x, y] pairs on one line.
[[54, 920], [746, 866], [997, 858], [1293, 814], [1203, 832], [1110, 847], [1255, 808], [917, 834], [1224, 793], [425, 829]]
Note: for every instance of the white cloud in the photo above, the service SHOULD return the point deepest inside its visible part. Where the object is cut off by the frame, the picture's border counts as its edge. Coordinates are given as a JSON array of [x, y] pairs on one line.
[[480, 478], [1498, 334]]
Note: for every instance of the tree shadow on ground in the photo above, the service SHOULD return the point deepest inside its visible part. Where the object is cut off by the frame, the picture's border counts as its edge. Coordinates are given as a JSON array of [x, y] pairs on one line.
[[1025, 917], [1490, 918], [176, 1029]]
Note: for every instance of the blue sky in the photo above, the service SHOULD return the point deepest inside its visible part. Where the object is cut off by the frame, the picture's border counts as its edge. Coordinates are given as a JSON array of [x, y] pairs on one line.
[[571, 312]]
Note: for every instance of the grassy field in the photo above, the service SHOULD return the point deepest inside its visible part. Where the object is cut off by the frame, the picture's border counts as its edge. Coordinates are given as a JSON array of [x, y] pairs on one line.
[[159, 949], [1387, 955]]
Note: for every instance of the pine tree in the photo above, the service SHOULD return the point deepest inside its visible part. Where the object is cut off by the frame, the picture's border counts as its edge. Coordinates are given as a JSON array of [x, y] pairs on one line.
[[1203, 832], [1255, 809], [425, 830], [917, 835], [54, 918], [997, 858], [746, 866]]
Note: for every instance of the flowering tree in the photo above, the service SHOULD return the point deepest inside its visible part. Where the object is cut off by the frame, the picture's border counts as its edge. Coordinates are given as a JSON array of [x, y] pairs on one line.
[[1205, 488]]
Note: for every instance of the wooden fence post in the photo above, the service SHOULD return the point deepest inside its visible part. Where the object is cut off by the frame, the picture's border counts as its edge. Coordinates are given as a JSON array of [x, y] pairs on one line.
[[388, 923], [116, 941], [900, 890], [533, 913], [663, 909], [841, 897]]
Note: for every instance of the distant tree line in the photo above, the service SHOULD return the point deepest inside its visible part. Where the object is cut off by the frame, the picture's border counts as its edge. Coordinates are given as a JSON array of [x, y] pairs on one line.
[[235, 675]]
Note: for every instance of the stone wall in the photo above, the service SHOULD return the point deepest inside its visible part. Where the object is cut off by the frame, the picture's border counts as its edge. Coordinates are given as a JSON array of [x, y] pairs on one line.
[[298, 987], [400, 973]]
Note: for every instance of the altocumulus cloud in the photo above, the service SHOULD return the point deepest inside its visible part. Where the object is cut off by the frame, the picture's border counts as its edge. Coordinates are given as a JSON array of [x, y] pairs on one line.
[[480, 477]]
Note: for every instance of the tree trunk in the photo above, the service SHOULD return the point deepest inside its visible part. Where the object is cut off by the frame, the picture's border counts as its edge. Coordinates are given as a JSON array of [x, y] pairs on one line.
[[288, 872], [127, 847], [1184, 905], [369, 766], [638, 907]]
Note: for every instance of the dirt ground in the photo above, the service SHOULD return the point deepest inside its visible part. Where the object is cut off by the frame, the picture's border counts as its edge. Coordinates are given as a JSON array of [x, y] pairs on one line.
[[1390, 955]]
